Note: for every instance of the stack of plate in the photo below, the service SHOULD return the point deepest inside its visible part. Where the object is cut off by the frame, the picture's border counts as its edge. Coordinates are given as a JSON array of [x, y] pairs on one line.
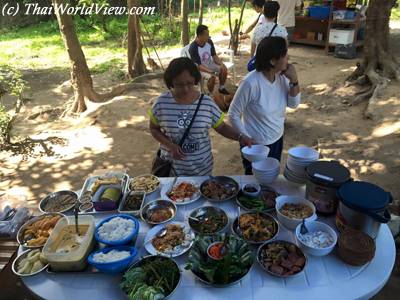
[[266, 170], [298, 159]]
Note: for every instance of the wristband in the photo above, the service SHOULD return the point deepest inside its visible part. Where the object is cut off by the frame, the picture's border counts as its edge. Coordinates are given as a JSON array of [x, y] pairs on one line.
[[293, 84]]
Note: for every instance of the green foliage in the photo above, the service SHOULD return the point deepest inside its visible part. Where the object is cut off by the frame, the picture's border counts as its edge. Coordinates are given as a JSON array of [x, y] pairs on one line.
[[395, 13], [4, 119], [12, 83], [40, 46], [11, 80]]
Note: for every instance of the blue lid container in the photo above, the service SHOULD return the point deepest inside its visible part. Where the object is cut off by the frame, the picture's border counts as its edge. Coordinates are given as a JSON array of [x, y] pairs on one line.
[[319, 12], [130, 239]]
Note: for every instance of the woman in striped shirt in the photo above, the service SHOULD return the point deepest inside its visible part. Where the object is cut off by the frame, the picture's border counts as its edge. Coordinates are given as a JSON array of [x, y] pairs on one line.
[[171, 115]]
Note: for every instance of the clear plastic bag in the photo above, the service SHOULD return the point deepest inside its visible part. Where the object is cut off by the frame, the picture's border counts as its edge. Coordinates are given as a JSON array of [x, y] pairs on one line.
[[10, 228]]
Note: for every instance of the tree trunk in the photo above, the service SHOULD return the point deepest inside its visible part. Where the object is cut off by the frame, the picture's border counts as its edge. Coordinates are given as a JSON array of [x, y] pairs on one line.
[[161, 6], [234, 42], [201, 11], [378, 64], [171, 15], [185, 23], [136, 65], [81, 78]]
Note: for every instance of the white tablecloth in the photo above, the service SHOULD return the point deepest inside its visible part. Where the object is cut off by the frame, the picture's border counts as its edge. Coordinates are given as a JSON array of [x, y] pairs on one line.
[[324, 278]]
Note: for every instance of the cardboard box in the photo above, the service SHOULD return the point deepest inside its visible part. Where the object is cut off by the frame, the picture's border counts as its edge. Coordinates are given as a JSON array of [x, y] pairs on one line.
[[311, 36]]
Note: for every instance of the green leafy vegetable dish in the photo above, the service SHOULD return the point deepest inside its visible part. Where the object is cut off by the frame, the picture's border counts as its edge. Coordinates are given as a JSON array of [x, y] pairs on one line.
[[234, 265], [152, 278], [264, 202]]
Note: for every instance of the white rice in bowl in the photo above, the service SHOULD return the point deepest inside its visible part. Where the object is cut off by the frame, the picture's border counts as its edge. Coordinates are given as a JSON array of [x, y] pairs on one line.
[[116, 229], [111, 256]]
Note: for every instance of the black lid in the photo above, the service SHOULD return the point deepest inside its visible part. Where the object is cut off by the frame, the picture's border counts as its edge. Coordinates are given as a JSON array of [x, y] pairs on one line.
[[330, 173], [364, 196]]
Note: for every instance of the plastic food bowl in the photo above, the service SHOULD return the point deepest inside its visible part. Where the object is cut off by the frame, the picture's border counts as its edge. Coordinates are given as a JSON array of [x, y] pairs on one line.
[[267, 165], [313, 226], [303, 153], [130, 239], [115, 266], [291, 223], [255, 153]]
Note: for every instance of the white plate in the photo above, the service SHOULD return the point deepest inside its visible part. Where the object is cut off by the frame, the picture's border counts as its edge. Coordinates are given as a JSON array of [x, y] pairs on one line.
[[178, 250], [22, 255], [167, 187]]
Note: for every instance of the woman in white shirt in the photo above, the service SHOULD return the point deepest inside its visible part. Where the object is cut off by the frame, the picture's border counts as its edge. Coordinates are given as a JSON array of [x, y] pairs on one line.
[[269, 28], [259, 106]]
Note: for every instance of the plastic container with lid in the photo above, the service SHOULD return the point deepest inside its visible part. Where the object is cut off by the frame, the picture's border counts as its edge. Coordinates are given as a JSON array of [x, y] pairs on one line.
[[363, 206], [66, 252], [323, 180]]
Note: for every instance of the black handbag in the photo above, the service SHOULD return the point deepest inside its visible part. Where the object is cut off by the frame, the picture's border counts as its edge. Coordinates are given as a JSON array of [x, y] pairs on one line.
[[162, 167]]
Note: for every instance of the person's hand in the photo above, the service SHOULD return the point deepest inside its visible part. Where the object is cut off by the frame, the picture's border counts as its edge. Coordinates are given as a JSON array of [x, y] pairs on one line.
[[176, 151], [290, 73], [246, 141]]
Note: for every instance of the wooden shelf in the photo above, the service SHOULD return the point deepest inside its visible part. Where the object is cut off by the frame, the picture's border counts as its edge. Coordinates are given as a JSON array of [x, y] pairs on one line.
[[357, 44], [347, 22], [306, 24], [308, 42], [305, 18]]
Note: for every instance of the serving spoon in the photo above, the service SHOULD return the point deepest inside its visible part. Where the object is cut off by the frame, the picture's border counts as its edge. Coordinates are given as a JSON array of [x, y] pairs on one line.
[[159, 234], [303, 228]]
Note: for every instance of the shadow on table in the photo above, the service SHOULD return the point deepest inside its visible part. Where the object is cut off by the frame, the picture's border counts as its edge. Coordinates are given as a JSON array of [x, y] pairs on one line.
[[12, 287], [392, 288]]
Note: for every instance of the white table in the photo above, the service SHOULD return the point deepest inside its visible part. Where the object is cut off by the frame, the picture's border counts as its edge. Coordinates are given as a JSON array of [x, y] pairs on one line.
[[324, 278]]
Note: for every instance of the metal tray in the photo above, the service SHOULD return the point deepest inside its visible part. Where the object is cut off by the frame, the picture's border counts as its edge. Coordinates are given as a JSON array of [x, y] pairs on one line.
[[90, 181], [135, 213]]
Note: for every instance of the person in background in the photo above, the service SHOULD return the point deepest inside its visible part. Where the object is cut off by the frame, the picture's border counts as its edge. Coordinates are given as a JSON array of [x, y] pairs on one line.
[[172, 113], [269, 28], [202, 52], [259, 106], [258, 6], [286, 15]]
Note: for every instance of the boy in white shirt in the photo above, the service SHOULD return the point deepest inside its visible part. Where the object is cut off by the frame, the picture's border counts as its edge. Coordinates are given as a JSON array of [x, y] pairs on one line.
[[203, 54]]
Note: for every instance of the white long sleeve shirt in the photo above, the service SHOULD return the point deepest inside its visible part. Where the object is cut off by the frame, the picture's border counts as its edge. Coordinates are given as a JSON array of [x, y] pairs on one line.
[[286, 13], [258, 108]]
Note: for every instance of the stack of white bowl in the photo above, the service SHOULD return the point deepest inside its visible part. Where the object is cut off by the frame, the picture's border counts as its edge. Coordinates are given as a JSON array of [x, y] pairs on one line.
[[298, 159], [266, 170]]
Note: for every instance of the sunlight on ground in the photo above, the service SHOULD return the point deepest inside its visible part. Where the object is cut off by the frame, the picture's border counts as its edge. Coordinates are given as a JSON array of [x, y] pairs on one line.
[[386, 128], [89, 138], [133, 120], [351, 69], [321, 89]]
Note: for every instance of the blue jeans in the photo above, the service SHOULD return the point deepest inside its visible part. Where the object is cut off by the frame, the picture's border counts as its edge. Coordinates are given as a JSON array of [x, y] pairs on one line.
[[275, 151]]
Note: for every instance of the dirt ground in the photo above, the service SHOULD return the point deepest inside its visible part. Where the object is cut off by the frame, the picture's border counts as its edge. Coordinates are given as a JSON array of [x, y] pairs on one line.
[[115, 134]]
